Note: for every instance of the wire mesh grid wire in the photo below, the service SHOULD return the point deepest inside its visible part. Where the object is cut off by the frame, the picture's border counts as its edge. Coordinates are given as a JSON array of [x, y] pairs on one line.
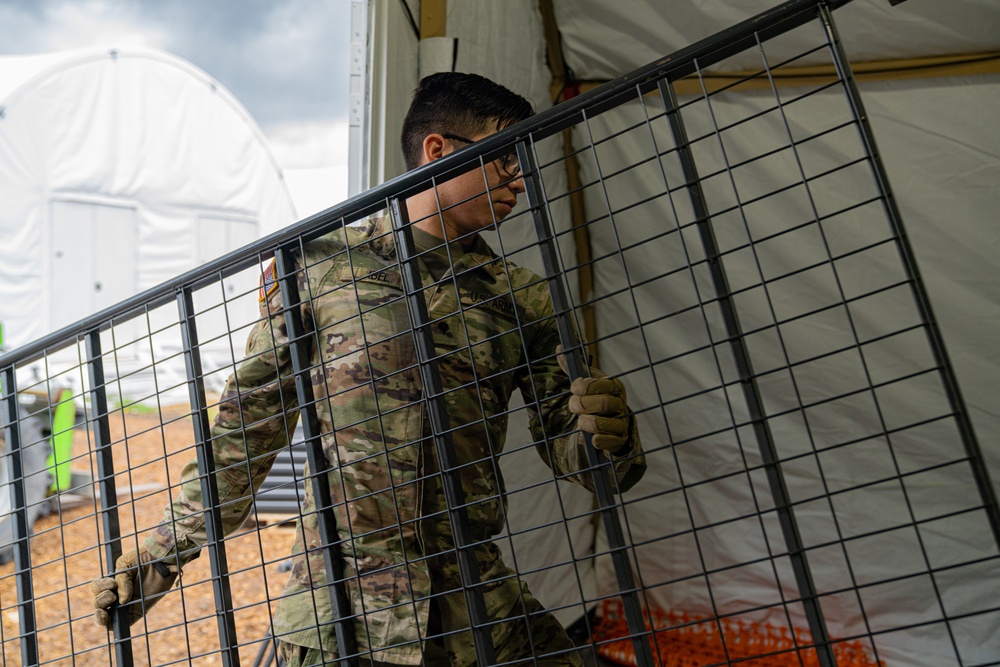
[[814, 493]]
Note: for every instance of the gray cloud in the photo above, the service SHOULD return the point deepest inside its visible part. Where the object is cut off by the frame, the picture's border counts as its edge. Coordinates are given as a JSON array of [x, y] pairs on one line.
[[285, 61]]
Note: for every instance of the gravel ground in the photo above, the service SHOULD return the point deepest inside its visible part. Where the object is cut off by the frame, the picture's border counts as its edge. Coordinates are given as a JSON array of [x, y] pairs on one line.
[[150, 449], [66, 554]]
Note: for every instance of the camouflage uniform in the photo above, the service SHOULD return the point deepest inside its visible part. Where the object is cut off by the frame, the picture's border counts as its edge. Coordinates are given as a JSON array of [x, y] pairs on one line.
[[398, 548]]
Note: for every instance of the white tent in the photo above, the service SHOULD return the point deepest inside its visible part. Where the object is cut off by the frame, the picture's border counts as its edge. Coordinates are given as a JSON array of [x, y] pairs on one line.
[[932, 97], [120, 168]]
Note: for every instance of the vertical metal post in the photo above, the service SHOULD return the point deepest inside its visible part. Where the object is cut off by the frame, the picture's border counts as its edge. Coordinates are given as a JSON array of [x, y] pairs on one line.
[[437, 412], [748, 385], [19, 522], [973, 452], [106, 484], [298, 351], [577, 367], [209, 487]]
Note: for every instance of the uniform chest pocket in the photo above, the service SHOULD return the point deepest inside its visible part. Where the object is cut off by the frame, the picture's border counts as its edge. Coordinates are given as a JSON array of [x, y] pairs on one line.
[[479, 343], [362, 309]]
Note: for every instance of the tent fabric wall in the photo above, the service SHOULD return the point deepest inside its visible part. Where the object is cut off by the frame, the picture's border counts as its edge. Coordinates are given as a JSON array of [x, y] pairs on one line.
[[945, 228], [603, 40], [114, 129], [943, 162], [943, 168]]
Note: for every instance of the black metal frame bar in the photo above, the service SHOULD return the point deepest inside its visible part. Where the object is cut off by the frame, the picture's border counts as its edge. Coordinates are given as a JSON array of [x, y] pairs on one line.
[[106, 483], [969, 441], [437, 413], [209, 485], [19, 515], [577, 367], [318, 464], [748, 383]]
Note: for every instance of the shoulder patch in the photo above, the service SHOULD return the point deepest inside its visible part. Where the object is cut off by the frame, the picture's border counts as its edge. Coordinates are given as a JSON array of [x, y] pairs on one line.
[[268, 282]]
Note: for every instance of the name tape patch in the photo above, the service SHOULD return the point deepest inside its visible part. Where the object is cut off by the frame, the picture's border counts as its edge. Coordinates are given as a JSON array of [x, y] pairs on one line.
[[364, 275], [500, 304]]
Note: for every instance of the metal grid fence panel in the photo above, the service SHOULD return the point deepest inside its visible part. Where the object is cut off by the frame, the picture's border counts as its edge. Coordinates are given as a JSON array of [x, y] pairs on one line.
[[815, 494]]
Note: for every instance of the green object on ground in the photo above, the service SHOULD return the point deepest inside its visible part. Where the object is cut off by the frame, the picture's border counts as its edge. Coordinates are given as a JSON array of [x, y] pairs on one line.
[[63, 419]]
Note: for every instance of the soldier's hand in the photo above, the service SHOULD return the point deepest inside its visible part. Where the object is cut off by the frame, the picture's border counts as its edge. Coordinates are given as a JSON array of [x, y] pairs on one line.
[[137, 575], [600, 406]]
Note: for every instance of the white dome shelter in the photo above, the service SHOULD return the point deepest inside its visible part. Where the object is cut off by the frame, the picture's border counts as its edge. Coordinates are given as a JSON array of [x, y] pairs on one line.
[[120, 168]]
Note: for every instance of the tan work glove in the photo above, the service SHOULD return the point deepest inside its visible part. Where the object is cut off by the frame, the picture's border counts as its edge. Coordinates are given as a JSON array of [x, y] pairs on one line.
[[135, 572], [600, 406], [600, 409]]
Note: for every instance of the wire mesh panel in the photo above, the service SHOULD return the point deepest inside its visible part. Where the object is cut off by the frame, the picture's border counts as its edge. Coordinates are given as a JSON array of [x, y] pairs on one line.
[[796, 480]]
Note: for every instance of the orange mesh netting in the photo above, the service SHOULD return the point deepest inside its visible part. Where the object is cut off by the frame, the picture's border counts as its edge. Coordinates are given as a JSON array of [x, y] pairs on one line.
[[693, 642]]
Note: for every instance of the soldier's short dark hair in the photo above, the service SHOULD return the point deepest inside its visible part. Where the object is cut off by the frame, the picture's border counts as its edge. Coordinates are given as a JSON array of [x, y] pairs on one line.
[[461, 104]]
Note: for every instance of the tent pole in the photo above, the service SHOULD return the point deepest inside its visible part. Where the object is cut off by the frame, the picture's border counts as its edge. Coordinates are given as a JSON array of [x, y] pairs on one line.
[[933, 67], [433, 18], [577, 204]]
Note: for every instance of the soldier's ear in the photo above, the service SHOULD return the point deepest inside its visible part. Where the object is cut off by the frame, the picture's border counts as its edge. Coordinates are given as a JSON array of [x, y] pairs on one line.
[[434, 148]]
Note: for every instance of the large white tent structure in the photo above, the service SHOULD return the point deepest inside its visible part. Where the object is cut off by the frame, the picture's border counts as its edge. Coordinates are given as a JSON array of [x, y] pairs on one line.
[[929, 74], [120, 168]]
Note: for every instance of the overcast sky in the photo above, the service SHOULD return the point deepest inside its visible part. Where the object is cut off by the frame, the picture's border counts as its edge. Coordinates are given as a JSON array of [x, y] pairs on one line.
[[286, 61]]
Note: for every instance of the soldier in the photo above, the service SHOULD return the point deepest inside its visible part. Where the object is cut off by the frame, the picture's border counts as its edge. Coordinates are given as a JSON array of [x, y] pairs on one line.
[[494, 331]]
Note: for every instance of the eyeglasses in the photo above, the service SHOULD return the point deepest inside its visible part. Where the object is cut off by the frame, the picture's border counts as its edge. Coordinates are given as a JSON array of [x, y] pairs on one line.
[[508, 162]]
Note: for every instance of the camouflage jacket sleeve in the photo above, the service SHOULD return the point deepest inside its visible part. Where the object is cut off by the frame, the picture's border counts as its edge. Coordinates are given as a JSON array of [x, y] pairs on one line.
[[545, 387], [257, 415]]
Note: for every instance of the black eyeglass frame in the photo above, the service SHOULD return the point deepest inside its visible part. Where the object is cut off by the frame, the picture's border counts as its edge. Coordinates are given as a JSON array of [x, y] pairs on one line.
[[505, 161]]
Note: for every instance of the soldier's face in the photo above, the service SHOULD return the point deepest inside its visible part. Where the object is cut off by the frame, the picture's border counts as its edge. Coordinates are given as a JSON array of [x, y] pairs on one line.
[[478, 199]]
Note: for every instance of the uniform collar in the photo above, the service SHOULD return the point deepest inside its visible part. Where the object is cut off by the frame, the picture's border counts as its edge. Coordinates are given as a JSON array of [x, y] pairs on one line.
[[479, 256]]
